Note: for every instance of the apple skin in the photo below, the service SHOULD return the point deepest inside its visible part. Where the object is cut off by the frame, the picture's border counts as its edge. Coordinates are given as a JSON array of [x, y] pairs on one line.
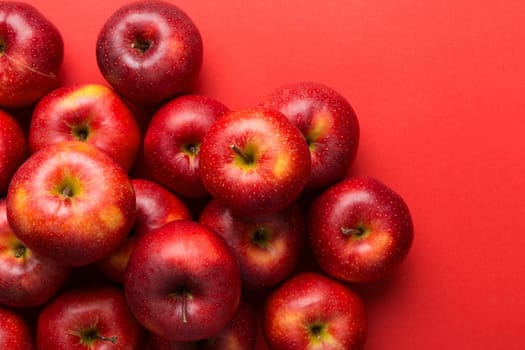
[[312, 311], [92, 113], [72, 202], [15, 333], [26, 279], [155, 206], [173, 139], [13, 148], [31, 54], [328, 123], [268, 247], [238, 334], [273, 168], [182, 281], [359, 230], [77, 319], [149, 51]]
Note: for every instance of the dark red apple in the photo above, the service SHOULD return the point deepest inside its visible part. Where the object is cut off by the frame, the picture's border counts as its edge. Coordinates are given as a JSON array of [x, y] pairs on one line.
[[71, 202], [312, 311], [15, 333], [149, 51], [26, 278], [156, 206], [238, 334], [359, 229], [31, 53], [267, 246], [89, 318], [328, 123], [92, 113], [173, 138], [13, 148], [255, 161], [183, 282]]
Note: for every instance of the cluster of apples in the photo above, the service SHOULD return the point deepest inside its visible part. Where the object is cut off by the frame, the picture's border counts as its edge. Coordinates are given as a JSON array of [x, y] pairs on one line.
[[273, 180]]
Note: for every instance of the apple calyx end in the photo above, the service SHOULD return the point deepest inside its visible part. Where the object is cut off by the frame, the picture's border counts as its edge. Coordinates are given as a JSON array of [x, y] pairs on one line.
[[3, 46], [20, 251]]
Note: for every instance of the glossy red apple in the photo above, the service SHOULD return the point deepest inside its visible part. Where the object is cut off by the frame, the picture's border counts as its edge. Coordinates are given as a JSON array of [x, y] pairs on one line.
[[72, 202], [92, 113], [90, 318], [31, 53], [155, 207], [183, 282], [267, 246], [239, 334], [13, 148], [173, 138], [255, 161], [26, 279], [15, 333], [311, 311], [149, 51], [328, 123], [359, 229]]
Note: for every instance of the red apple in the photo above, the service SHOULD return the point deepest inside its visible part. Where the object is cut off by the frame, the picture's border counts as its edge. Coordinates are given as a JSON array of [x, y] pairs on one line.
[[182, 281], [156, 206], [311, 311], [255, 161], [91, 318], [13, 148], [328, 123], [238, 334], [72, 202], [149, 51], [31, 53], [86, 112], [15, 333], [173, 139], [267, 246], [359, 229], [26, 279]]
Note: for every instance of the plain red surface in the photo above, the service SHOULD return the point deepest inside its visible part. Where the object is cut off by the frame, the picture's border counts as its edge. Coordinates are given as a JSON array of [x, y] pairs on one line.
[[439, 89]]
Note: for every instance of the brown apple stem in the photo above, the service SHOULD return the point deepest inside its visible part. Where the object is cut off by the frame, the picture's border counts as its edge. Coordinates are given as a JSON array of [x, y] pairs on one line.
[[20, 251], [141, 45], [51, 76], [349, 231], [67, 191], [240, 153], [112, 340], [184, 297]]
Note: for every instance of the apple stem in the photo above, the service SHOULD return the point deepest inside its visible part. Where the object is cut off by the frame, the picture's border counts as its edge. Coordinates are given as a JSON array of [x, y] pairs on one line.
[[184, 297], [112, 340], [349, 231], [67, 191], [20, 251], [241, 154]]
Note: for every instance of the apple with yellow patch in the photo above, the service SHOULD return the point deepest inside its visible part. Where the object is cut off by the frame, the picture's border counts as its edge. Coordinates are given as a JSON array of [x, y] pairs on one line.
[[72, 202], [359, 229], [311, 311], [328, 123], [255, 161], [91, 113]]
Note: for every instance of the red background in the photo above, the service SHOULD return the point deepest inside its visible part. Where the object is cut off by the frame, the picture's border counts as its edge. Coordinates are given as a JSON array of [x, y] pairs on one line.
[[439, 88]]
